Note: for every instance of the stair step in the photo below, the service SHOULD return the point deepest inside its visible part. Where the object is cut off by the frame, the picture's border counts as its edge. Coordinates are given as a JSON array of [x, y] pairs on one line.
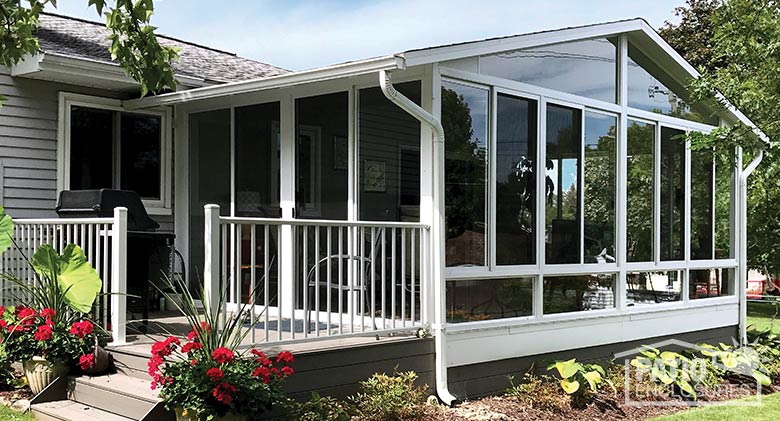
[[127, 396], [67, 410], [130, 363]]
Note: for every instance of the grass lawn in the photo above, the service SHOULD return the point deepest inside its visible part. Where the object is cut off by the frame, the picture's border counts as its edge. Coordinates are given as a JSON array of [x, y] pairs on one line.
[[769, 410], [8, 414], [760, 316]]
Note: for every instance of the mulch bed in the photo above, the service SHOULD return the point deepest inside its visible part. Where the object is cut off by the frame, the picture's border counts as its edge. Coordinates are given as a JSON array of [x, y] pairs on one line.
[[612, 407]]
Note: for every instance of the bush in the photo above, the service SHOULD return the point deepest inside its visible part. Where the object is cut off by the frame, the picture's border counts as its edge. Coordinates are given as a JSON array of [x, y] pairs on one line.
[[580, 381], [319, 408], [539, 392], [385, 398]]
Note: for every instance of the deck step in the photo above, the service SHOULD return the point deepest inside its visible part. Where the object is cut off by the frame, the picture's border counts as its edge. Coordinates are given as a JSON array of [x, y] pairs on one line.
[[119, 394], [67, 410], [131, 363]]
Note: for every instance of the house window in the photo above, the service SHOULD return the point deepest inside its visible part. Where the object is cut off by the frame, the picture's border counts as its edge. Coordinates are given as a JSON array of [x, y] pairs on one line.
[[702, 204], [587, 68], [646, 288], [639, 190], [672, 194], [599, 194], [564, 294], [724, 179], [476, 300], [464, 113], [105, 146], [257, 140], [707, 283]]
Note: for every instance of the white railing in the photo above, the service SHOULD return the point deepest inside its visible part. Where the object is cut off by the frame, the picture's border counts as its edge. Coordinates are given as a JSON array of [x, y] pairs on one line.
[[309, 279], [104, 250]]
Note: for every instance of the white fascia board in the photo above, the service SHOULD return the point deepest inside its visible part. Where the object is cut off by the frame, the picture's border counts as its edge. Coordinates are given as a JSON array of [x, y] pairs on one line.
[[289, 79], [478, 48]]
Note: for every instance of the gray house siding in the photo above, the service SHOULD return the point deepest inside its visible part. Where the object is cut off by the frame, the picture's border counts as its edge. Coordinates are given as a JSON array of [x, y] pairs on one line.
[[28, 145]]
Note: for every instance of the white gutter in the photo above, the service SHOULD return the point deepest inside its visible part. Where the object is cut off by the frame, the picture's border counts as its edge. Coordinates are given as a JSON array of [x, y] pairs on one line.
[[437, 227], [743, 272]]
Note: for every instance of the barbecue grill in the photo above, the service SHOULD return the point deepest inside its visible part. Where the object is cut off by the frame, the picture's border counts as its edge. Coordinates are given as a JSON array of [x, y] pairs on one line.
[[143, 238]]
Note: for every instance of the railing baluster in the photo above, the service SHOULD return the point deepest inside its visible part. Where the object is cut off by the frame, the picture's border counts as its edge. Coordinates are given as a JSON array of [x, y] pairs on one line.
[[341, 280], [329, 280], [373, 276], [266, 281], [362, 278], [304, 266], [278, 288], [317, 281], [403, 277], [392, 276], [384, 275], [252, 278], [413, 262]]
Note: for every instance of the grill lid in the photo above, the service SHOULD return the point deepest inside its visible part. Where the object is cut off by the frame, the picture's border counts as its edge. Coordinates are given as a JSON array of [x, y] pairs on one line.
[[101, 203]]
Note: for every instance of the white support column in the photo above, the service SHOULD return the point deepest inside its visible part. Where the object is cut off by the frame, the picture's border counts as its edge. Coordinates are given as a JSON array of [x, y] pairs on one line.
[[287, 194], [119, 277], [427, 185], [622, 176], [211, 269]]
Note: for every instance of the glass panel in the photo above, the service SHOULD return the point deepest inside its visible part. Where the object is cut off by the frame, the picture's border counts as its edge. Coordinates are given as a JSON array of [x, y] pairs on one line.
[[653, 287], [257, 141], [724, 171], [708, 283], [650, 89], [702, 190], [639, 189], [209, 133], [91, 148], [563, 294], [322, 124], [600, 188], [141, 142], [474, 300], [389, 156], [586, 68], [464, 113], [672, 193], [564, 140], [515, 181]]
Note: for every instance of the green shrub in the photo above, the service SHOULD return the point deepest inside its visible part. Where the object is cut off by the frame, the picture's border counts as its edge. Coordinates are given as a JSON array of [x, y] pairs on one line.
[[744, 361], [319, 408], [580, 381], [385, 398], [539, 392], [671, 369]]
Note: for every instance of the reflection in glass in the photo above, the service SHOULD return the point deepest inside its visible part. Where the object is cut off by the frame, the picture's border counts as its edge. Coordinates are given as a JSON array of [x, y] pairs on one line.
[[91, 148], [388, 156], [724, 171], [321, 189], [706, 283], [639, 190], [599, 200], [702, 183], [650, 89], [141, 152], [515, 180], [672, 193], [563, 184], [587, 68], [464, 113], [563, 294], [257, 139], [475, 300], [653, 287]]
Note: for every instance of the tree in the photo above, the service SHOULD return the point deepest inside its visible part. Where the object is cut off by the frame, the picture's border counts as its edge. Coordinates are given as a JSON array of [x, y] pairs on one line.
[[133, 42], [740, 59]]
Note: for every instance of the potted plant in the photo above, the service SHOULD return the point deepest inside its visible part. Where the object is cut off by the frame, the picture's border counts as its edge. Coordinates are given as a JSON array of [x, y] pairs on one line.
[[205, 376]]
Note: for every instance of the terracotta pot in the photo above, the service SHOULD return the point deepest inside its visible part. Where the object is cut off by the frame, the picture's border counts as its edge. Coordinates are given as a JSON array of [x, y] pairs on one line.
[[40, 372], [190, 415]]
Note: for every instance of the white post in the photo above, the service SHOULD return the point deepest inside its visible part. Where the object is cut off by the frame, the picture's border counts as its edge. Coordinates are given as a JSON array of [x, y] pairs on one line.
[[211, 256], [119, 277]]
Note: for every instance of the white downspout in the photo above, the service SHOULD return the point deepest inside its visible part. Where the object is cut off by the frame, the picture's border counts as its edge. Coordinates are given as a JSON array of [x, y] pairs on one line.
[[437, 259], [743, 273]]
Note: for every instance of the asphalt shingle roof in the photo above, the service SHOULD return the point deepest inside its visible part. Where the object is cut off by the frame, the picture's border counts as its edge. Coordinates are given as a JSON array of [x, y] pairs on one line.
[[79, 38]]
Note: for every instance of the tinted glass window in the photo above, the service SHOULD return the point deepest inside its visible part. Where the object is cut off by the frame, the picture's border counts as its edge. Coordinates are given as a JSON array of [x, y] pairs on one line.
[[257, 140], [141, 153], [515, 180], [587, 68], [672, 194], [724, 172], [599, 206], [639, 191], [563, 294], [471, 301], [464, 115], [646, 288], [91, 148], [702, 203], [564, 137], [708, 283]]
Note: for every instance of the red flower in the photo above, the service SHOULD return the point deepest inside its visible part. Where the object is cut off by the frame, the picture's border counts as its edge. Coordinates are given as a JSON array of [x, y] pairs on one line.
[[27, 315], [193, 335], [224, 392], [215, 374], [3, 324], [193, 362], [17, 328], [2, 311], [82, 328], [287, 370], [263, 372], [48, 313], [285, 356], [191, 346], [86, 361], [43, 333], [222, 355]]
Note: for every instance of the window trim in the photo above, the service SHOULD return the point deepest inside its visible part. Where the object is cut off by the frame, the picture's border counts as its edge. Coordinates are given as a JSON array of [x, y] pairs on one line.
[[67, 100]]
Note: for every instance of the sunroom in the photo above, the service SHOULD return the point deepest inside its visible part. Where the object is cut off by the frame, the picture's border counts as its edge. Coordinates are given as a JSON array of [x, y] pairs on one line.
[[404, 194]]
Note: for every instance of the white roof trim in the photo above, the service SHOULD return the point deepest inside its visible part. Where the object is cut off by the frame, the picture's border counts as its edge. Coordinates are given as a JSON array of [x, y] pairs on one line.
[[295, 78]]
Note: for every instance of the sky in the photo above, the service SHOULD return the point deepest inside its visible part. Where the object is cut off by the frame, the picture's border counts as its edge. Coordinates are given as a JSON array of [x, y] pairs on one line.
[[303, 34]]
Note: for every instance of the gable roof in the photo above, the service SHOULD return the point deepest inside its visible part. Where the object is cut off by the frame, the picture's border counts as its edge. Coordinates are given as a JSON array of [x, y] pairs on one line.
[[82, 39]]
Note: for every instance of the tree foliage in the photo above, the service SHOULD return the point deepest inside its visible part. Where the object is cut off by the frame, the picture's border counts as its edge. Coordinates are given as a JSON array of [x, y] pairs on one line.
[[133, 42]]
